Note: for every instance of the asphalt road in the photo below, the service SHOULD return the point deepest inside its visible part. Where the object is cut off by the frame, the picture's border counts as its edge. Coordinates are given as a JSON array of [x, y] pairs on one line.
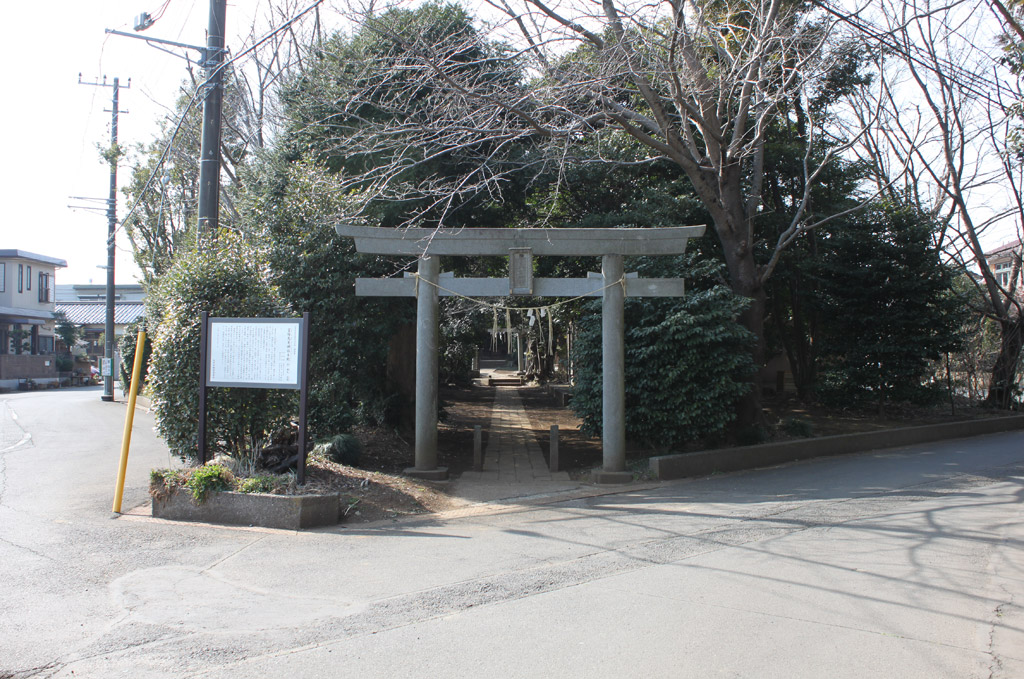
[[900, 563]]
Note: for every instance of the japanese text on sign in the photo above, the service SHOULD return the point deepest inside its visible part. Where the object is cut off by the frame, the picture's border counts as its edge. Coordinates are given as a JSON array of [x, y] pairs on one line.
[[254, 353]]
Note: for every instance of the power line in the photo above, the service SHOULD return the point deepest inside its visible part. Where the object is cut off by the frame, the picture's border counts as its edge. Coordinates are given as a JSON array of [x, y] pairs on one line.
[[972, 82]]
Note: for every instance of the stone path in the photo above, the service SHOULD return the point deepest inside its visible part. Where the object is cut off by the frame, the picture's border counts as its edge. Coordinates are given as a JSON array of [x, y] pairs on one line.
[[512, 455]]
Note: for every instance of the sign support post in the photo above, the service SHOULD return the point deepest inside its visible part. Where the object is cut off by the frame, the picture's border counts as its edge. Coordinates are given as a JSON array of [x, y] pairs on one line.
[[303, 393], [204, 338]]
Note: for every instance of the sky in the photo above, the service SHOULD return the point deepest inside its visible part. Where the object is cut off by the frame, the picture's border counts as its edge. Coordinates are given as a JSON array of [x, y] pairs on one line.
[[53, 125]]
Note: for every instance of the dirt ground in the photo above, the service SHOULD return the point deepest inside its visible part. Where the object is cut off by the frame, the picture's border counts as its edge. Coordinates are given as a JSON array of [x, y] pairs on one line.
[[368, 495]]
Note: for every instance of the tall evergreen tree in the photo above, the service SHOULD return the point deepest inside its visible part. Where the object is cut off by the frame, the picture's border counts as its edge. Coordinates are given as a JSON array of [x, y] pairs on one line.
[[890, 304]]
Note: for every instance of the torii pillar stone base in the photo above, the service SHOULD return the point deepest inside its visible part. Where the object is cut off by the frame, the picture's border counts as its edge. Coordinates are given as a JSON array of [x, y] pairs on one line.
[[602, 477]]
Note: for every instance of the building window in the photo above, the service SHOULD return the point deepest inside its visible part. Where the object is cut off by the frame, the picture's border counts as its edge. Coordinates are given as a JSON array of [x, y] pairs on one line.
[[45, 344], [44, 287], [28, 278], [3, 278], [21, 278]]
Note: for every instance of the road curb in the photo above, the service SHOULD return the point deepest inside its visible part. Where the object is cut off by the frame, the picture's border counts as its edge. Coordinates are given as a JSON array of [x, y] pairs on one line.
[[705, 462]]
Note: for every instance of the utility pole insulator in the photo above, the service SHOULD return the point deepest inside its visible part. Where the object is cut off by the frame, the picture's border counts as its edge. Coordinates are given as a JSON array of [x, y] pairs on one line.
[[143, 21]]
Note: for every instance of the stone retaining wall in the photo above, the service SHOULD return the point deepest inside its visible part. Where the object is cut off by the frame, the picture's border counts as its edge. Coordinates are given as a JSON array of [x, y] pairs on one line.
[[706, 462]]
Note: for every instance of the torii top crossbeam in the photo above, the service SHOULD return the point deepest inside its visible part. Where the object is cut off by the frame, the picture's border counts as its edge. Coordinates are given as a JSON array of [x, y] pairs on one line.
[[543, 242]]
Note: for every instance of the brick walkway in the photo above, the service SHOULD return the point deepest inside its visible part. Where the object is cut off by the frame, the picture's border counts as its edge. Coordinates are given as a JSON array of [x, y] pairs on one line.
[[512, 455]]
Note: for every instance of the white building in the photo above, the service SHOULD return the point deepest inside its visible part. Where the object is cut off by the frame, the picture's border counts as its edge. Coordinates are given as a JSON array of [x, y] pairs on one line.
[[1003, 260], [26, 317]]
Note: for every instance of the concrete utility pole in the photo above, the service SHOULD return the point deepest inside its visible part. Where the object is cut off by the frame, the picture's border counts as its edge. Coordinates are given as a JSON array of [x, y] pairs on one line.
[[108, 326], [209, 155]]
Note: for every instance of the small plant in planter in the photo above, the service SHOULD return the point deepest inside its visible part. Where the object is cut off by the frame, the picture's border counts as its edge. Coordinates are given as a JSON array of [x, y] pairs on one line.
[[212, 493], [165, 482], [259, 484], [208, 479], [201, 482]]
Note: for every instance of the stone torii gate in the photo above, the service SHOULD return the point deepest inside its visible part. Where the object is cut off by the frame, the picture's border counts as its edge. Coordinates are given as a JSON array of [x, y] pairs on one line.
[[520, 245]]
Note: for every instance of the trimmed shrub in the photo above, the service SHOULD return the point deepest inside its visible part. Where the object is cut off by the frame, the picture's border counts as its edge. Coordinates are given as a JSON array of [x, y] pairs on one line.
[[892, 309], [794, 426]]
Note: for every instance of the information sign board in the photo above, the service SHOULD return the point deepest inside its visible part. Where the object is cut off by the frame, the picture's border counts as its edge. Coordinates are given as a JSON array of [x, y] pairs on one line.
[[255, 353]]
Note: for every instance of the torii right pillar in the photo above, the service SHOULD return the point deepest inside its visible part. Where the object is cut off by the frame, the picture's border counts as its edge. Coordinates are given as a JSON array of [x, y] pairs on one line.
[[613, 364]]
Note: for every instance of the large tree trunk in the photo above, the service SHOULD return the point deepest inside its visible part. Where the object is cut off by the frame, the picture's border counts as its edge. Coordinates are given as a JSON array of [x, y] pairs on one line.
[[1003, 382], [745, 280], [748, 410], [725, 201]]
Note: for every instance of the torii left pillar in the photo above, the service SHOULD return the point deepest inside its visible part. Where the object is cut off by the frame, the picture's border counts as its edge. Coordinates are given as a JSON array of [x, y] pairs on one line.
[[428, 270]]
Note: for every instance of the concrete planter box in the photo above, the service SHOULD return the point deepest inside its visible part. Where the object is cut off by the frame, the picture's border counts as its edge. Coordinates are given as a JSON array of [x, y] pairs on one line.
[[291, 512], [769, 454]]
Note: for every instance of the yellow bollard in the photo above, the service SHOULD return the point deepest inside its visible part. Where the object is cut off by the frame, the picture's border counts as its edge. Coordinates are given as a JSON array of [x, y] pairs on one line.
[[129, 418]]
